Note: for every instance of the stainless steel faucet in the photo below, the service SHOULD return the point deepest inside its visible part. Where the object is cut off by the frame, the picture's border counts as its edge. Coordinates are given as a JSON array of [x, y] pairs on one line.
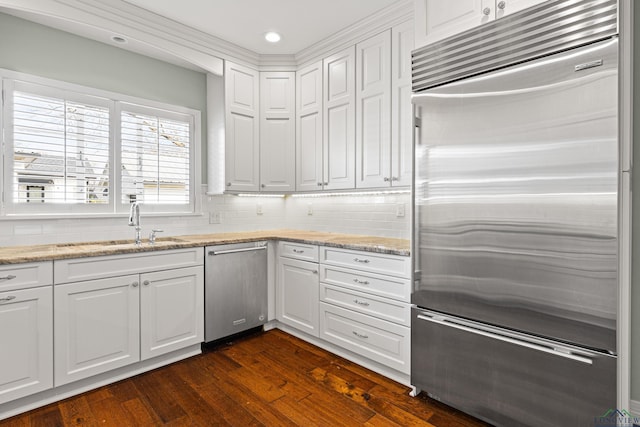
[[134, 221]]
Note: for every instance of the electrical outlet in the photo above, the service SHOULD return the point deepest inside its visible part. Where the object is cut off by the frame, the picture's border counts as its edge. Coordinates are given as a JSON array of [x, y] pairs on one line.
[[400, 210], [259, 209], [309, 208], [215, 217]]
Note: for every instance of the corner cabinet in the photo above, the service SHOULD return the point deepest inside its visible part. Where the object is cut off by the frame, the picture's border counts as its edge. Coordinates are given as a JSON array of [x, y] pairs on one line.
[[339, 103], [297, 287], [113, 311], [277, 132], [242, 128], [437, 20], [26, 328]]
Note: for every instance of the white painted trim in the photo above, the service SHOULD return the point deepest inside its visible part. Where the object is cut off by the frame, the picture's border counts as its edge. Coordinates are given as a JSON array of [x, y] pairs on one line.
[[196, 47], [625, 91], [56, 394], [634, 408], [395, 14]]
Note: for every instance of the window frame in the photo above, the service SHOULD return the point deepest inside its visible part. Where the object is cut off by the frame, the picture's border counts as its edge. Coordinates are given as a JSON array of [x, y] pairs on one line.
[[116, 102]]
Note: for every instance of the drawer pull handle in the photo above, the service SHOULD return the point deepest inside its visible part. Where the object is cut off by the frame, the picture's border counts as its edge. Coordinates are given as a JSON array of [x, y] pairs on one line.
[[9, 298], [9, 277], [298, 251], [365, 261], [315, 271], [360, 335], [362, 303], [361, 282]]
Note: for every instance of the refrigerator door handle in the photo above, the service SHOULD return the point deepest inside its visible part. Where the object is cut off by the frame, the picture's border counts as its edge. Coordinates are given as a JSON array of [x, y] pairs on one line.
[[567, 354]]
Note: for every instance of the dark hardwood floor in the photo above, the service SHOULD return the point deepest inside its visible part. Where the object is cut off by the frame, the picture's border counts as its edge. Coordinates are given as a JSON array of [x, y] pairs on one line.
[[266, 379]]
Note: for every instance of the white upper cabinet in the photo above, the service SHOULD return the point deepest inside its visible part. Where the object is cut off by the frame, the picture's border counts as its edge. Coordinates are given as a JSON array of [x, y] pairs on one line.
[[339, 120], [309, 128], [401, 107], [277, 131], [437, 19], [242, 155], [373, 108]]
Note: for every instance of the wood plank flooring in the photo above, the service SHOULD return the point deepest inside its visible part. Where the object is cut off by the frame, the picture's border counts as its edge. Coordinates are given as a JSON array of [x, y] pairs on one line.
[[265, 379]]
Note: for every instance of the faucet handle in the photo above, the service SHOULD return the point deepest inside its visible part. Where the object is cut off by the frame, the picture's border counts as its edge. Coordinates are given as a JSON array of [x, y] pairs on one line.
[[152, 235]]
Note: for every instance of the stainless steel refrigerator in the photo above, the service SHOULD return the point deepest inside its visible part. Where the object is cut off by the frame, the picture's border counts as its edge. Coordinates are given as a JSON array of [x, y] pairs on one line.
[[516, 208]]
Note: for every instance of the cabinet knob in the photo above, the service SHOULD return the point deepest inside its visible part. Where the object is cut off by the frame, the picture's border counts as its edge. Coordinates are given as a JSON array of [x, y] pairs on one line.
[[146, 283], [262, 185], [486, 11], [135, 284], [386, 179], [326, 183], [315, 271], [395, 178], [502, 5], [228, 184], [319, 184]]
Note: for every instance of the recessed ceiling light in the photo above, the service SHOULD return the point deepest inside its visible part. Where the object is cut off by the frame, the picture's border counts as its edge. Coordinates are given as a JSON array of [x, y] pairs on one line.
[[118, 39], [272, 37]]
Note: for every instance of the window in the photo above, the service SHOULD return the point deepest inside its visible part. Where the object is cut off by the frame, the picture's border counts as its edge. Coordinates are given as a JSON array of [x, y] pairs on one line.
[[67, 145], [155, 157]]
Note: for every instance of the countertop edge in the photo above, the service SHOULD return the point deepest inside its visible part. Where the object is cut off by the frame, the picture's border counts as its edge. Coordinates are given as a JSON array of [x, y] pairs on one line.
[[52, 252]]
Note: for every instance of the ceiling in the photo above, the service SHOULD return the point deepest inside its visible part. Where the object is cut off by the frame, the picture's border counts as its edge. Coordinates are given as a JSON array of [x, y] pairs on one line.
[[301, 23]]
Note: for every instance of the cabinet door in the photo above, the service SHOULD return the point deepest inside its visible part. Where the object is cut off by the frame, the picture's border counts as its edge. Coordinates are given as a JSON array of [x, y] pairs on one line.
[[339, 120], [401, 107], [297, 293], [507, 7], [242, 155], [309, 128], [26, 357], [373, 111], [96, 327], [171, 310], [437, 19], [277, 131]]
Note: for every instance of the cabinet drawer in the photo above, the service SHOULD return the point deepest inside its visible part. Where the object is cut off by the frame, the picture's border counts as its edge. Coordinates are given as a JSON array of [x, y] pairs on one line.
[[80, 269], [368, 261], [382, 308], [376, 284], [23, 276], [298, 251], [383, 342]]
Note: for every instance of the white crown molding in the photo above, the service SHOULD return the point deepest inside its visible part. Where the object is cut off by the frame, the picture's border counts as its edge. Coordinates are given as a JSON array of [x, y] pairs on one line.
[[193, 46], [361, 30]]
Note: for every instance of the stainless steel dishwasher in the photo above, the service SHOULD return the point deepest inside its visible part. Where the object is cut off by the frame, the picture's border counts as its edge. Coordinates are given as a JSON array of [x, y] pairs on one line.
[[235, 288]]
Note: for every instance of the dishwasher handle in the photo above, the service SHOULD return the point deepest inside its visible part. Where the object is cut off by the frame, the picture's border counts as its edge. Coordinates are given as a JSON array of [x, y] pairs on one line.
[[233, 251]]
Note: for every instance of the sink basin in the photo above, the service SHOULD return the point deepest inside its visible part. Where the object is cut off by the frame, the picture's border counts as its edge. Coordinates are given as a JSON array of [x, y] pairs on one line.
[[111, 243]]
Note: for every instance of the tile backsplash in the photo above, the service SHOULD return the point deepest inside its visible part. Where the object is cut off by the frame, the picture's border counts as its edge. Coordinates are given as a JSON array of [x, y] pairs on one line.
[[379, 215]]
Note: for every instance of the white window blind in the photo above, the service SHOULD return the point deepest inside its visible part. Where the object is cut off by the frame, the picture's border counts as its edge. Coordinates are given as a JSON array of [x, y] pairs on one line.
[[156, 163], [60, 150]]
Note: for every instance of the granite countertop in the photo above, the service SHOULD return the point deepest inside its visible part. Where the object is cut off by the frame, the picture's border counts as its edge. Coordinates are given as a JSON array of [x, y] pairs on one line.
[[22, 254]]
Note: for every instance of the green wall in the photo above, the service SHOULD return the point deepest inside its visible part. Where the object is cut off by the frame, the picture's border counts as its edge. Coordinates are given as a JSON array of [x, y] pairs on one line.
[[43, 51], [635, 280]]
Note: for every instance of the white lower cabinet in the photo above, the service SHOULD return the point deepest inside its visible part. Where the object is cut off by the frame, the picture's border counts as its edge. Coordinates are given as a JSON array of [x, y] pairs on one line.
[[171, 310], [383, 342], [297, 293], [106, 323], [26, 353], [96, 327]]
